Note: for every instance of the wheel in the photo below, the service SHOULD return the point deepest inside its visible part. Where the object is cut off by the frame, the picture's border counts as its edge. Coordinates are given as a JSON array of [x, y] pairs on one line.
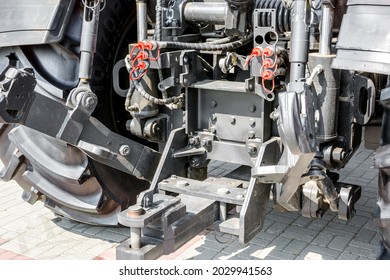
[[382, 217], [70, 183]]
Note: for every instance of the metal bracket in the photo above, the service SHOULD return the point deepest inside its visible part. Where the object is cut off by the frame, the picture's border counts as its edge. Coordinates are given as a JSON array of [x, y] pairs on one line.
[[167, 166], [312, 200], [349, 195], [269, 171], [295, 119], [183, 65], [264, 30], [13, 104], [20, 103], [173, 222], [254, 209]]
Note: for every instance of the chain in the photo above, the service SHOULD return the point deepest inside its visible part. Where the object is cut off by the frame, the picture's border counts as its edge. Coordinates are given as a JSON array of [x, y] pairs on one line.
[[169, 10]]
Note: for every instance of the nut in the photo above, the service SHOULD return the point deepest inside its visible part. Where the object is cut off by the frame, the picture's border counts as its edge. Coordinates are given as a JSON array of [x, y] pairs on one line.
[[251, 148], [251, 134], [205, 142], [213, 104], [252, 108], [338, 154], [89, 101], [124, 150]]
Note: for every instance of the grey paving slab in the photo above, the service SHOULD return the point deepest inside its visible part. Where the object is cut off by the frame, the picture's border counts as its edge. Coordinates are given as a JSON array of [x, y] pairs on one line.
[[295, 247], [279, 255], [32, 230], [323, 239], [339, 243], [280, 242]]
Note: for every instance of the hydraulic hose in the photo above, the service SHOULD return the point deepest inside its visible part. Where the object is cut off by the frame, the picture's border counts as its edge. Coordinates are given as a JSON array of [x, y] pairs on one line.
[[136, 85], [156, 100], [157, 28], [206, 46]]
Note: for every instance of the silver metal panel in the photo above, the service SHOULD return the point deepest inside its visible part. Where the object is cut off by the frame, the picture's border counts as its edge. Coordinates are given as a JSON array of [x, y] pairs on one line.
[[215, 189], [364, 40], [24, 22], [365, 61], [230, 152], [237, 128], [366, 29]]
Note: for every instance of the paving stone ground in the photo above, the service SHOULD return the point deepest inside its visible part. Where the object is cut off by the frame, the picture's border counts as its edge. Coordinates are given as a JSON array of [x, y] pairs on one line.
[[34, 232]]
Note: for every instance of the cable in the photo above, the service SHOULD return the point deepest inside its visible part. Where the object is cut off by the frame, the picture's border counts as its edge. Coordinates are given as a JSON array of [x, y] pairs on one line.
[[221, 41], [205, 46], [257, 51], [135, 84], [155, 100]]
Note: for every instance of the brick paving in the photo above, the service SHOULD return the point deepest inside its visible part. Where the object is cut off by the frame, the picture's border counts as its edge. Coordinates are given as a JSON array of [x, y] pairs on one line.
[[34, 232]]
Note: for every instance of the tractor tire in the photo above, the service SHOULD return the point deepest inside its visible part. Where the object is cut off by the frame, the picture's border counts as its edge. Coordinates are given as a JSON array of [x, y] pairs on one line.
[[382, 162], [62, 176]]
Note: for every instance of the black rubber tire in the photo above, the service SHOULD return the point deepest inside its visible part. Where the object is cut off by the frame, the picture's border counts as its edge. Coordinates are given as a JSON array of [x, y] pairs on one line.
[[117, 29], [381, 159], [63, 176], [382, 217]]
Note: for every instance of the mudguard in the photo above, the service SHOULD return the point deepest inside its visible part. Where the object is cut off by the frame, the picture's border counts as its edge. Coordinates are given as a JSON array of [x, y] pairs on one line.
[[25, 22]]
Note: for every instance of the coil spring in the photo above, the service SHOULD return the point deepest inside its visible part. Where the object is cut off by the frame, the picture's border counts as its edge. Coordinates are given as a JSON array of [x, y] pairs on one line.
[[282, 13]]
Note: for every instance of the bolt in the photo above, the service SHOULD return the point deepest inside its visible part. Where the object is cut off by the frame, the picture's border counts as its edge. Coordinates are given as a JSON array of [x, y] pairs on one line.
[[89, 102], [191, 140], [240, 196], [213, 104], [155, 128], [195, 162], [252, 108], [185, 59], [274, 115], [251, 134], [124, 150], [251, 148], [223, 191], [182, 183], [338, 154], [252, 122], [206, 142], [185, 80], [232, 120]]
